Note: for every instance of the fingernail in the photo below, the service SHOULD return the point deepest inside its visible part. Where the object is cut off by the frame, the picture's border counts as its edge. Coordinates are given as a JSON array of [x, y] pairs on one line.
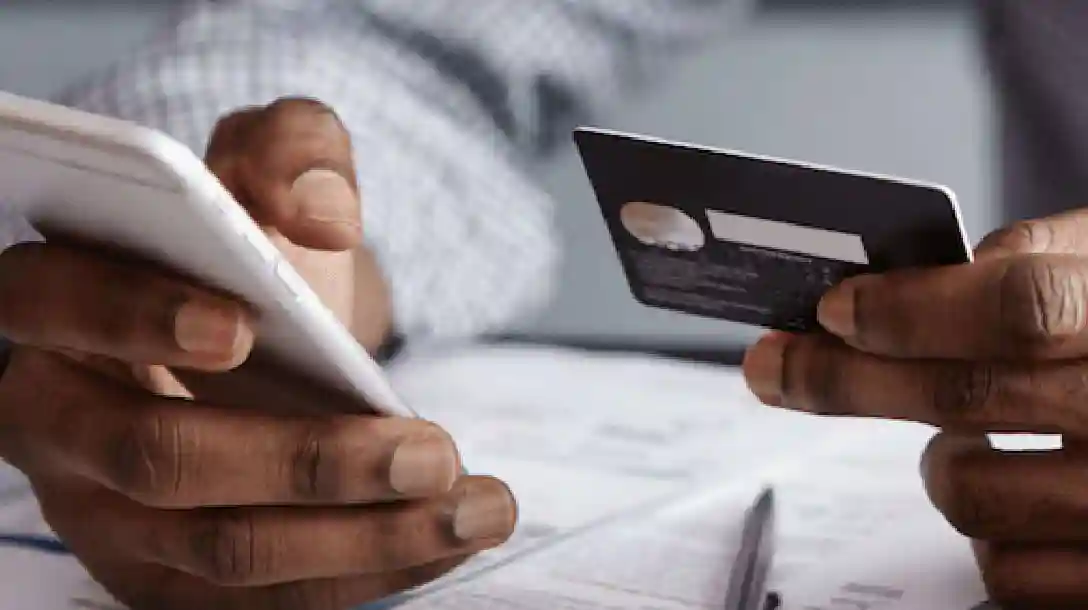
[[203, 326], [323, 195], [763, 368], [485, 510], [836, 310], [422, 467]]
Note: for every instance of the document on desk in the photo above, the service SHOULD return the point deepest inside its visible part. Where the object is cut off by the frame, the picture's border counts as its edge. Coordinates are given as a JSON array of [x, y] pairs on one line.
[[633, 475], [677, 557], [633, 487]]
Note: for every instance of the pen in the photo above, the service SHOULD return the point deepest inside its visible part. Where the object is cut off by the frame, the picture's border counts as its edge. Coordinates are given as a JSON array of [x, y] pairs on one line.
[[747, 589]]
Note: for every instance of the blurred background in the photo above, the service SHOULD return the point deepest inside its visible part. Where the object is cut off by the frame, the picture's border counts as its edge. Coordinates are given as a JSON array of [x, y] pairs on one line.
[[891, 86]]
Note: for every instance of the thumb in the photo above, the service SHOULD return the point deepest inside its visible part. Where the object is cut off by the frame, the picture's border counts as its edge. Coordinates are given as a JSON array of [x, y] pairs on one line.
[[290, 165]]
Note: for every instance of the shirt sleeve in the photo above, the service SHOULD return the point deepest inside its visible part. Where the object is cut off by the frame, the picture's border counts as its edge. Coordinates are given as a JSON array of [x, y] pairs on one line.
[[539, 67], [464, 238], [449, 104], [1037, 57]]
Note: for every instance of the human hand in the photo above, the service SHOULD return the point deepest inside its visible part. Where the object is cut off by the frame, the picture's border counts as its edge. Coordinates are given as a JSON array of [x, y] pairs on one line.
[[173, 501], [996, 346]]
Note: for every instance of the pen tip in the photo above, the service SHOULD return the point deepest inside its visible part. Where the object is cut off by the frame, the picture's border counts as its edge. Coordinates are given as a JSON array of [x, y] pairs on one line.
[[767, 496]]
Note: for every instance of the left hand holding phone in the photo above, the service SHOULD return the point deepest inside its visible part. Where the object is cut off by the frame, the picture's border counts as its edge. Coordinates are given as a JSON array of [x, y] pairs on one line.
[[174, 502]]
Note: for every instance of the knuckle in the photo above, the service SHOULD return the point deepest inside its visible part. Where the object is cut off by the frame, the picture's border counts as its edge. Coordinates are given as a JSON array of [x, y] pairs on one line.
[[312, 121], [146, 462], [225, 550], [1025, 236], [230, 138], [318, 471], [296, 134], [289, 107], [131, 308], [961, 392], [392, 546], [1042, 300], [229, 125]]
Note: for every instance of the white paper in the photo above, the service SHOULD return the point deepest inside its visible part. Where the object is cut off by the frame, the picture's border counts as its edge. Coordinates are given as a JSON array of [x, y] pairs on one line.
[[583, 439], [633, 475], [853, 519]]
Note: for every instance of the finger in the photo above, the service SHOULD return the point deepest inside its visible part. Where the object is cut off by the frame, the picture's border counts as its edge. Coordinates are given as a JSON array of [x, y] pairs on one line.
[[1012, 307], [290, 164], [1022, 497], [821, 375], [253, 547], [59, 297], [172, 454], [938, 313], [1021, 577], [155, 588], [1064, 233]]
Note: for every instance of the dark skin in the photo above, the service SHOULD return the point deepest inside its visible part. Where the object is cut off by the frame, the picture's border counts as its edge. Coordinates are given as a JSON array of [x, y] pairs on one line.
[[114, 407], [996, 346]]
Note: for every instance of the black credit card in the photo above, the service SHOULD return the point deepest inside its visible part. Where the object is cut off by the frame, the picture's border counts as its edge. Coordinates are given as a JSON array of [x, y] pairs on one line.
[[753, 239]]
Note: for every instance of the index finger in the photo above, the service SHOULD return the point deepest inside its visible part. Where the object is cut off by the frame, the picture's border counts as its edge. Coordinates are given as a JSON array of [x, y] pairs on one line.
[[59, 297], [181, 455], [291, 165], [820, 375]]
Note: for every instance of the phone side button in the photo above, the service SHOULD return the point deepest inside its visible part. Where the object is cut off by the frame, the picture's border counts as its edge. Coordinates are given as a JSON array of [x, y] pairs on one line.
[[263, 246], [294, 282]]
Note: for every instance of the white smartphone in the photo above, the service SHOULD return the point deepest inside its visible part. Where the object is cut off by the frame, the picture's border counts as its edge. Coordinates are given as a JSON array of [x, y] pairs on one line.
[[124, 186]]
